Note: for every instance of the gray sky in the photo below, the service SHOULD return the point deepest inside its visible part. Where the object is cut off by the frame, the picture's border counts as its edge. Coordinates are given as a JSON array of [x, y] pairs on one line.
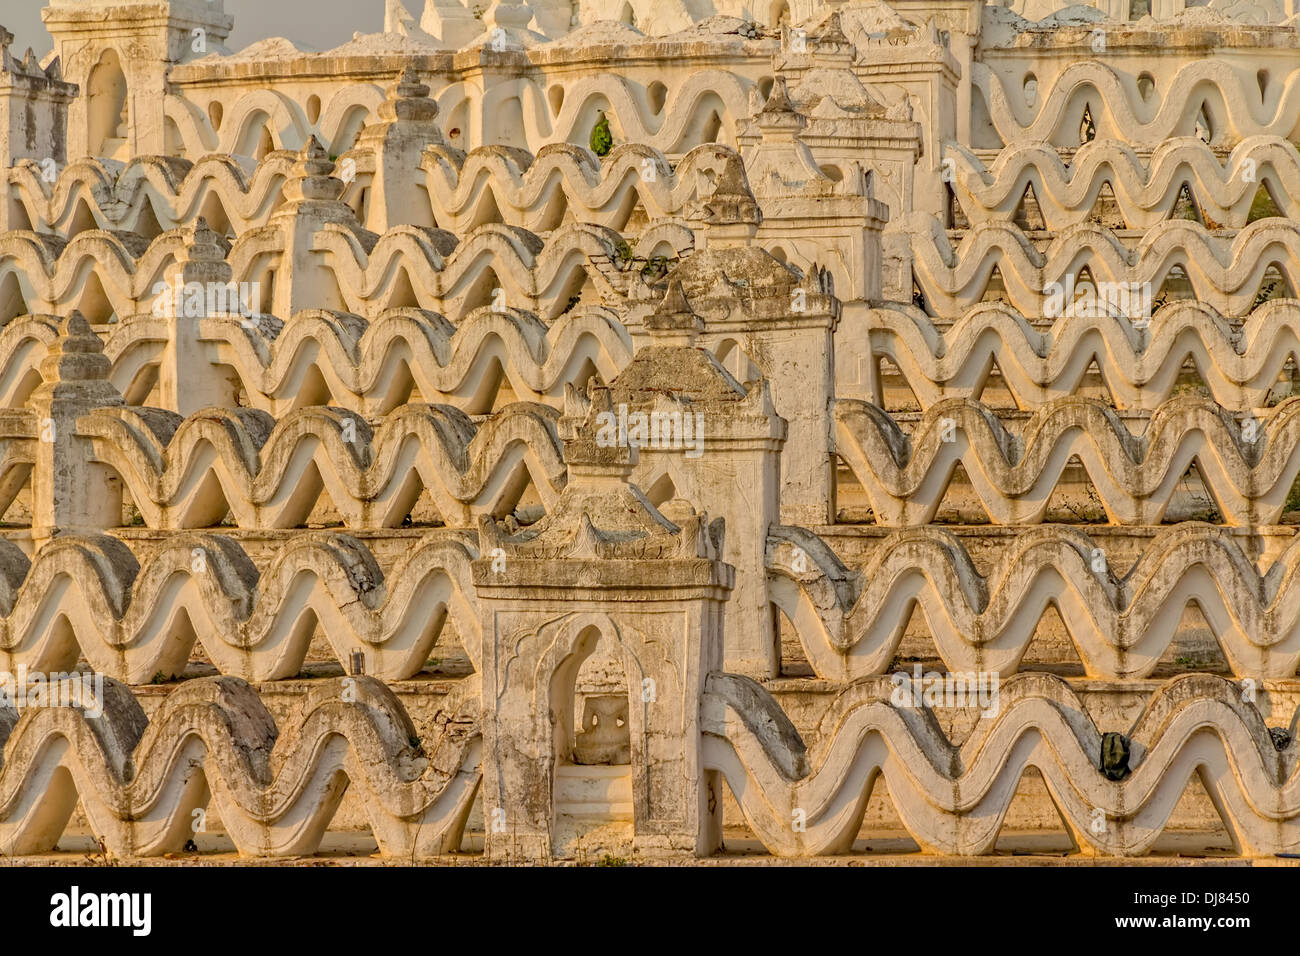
[[319, 24]]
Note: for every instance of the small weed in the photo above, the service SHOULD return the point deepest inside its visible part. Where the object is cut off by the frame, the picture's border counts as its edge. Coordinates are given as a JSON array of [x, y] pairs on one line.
[[1293, 498], [100, 856]]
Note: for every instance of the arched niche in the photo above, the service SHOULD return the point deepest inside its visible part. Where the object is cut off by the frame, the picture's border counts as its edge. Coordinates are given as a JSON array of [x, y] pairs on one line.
[[106, 110]]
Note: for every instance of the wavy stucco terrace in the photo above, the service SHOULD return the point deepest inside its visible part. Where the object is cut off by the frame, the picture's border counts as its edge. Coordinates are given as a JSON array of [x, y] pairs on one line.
[[321, 377]]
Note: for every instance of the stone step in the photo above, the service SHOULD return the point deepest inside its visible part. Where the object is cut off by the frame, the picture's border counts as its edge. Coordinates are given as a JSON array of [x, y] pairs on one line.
[[594, 793]]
